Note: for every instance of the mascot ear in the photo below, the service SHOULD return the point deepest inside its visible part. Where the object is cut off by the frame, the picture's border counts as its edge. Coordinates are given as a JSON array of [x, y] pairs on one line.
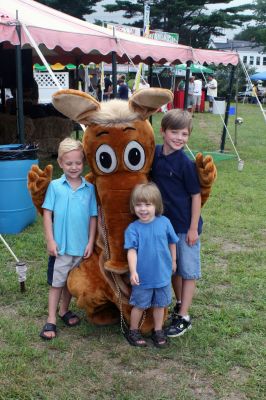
[[147, 101], [75, 104]]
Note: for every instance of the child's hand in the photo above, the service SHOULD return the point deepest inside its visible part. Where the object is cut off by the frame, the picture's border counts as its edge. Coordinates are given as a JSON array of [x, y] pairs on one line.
[[192, 237], [88, 250], [134, 279], [52, 248]]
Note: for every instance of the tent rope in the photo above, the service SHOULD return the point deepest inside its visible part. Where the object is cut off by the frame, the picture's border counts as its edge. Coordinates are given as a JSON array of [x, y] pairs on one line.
[[222, 119], [249, 81]]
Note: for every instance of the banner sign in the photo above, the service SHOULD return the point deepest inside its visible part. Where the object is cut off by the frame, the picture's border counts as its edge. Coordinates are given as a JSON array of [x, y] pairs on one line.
[[164, 36], [124, 28]]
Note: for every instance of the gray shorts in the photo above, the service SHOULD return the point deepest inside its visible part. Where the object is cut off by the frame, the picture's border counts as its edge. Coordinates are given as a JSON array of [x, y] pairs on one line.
[[190, 100], [59, 268], [196, 100]]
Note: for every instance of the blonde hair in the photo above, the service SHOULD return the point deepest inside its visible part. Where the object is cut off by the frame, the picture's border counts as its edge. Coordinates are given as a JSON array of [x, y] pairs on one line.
[[148, 193], [177, 119], [67, 145]]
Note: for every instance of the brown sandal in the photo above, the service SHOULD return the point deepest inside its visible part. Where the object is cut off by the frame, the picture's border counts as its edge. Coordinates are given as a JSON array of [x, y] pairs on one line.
[[135, 338]]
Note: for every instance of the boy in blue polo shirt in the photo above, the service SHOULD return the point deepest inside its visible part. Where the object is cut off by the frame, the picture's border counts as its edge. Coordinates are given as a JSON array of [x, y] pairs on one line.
[[176, 176], [69, 217]]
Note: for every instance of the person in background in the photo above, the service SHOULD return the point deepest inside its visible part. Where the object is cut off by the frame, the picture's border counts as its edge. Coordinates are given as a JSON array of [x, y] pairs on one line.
[[190, 100], [108, 88], [197, 95], [212, 88], [122, 92], [69, 218], [181, 85], [255, 93]]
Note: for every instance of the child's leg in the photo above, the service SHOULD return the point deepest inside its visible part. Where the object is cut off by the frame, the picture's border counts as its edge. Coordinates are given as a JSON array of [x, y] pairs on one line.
[[134, 336], [188, 290], [135, 317], [158, 317], [64, 305], [177, 286], [53, 300]]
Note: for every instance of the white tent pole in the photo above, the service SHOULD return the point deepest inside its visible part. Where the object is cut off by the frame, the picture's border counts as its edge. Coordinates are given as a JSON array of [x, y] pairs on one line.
[[34, 44]]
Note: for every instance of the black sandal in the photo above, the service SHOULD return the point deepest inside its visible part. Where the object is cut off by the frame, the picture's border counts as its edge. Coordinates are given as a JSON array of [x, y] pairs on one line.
[[135, 338], [159, 339], [48, 327], [68, 316]]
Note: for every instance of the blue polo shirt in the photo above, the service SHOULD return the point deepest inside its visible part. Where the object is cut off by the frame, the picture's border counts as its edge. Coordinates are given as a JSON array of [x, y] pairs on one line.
[[72, 210], [177, 178], [151, 240]]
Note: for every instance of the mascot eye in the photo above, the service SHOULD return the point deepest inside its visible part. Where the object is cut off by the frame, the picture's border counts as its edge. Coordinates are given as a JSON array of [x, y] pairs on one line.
[[134, 156], [106, 159]]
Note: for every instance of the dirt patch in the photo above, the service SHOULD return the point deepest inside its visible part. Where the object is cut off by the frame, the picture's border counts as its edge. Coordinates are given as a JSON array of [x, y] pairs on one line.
[[229, 246], [239, 374], [201, 387]]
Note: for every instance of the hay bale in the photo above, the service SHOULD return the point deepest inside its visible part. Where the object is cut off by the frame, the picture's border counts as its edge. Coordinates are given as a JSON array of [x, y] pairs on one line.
[[8, 129], [47, 132]]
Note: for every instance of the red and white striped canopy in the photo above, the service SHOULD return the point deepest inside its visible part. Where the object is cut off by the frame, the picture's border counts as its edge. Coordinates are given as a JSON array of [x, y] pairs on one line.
[[67, 39]]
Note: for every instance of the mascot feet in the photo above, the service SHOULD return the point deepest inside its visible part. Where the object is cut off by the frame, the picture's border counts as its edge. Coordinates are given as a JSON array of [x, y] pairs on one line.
[[108, 315]]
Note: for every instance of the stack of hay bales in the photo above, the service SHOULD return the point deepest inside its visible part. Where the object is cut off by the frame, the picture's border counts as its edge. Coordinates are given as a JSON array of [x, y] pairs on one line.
[[47, 132]]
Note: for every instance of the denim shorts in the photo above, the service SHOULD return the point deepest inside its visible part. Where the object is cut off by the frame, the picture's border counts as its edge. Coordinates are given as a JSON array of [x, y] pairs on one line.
[[188, 258], [145, 298]]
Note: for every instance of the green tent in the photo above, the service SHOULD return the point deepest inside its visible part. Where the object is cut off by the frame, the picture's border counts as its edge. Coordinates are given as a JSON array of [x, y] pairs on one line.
[[194, 68]]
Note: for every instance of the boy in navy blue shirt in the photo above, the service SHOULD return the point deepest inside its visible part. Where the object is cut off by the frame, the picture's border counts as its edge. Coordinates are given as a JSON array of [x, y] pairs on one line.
[[176, 176]]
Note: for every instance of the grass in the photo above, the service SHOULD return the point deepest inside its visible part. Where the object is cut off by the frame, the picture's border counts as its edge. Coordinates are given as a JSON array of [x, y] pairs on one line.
[[221, 358]]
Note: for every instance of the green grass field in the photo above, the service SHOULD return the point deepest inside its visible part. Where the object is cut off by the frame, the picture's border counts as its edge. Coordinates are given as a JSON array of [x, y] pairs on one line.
[[221, 358]]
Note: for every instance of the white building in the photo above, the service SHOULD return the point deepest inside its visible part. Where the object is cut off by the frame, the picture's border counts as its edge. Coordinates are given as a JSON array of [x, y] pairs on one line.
[[250, 54]]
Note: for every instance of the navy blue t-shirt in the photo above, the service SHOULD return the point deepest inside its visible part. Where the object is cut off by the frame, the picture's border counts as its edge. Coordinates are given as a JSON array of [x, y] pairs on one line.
[[177, 178], [123, 92]]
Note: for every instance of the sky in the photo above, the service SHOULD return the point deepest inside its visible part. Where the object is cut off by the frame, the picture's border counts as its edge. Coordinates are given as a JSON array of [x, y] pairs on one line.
[[118, 16]]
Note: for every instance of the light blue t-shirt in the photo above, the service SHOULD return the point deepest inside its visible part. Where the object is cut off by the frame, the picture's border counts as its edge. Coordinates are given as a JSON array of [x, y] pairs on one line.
[[72, 210], [151, 240]]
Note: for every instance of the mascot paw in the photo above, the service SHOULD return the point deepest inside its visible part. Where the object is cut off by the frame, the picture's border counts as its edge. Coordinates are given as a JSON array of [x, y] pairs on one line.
[[207, 174], [38, 181]]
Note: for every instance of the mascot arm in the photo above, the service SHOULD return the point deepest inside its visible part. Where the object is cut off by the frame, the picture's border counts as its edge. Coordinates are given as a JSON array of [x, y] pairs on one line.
[[38, 181], [207, 175]]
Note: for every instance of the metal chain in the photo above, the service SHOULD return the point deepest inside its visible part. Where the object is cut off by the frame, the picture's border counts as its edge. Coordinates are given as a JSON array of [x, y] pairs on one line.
[[123, 323], [105, 240]]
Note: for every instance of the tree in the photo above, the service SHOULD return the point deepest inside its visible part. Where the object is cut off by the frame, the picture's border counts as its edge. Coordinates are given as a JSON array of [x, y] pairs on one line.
[[222, 75], [77, 9], [190, 19], [257, 33]]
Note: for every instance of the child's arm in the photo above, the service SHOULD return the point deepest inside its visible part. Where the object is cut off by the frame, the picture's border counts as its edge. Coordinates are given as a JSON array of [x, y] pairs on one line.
[[132, 263], [192, 235], [48, 231], [172, 247], [92, 233]]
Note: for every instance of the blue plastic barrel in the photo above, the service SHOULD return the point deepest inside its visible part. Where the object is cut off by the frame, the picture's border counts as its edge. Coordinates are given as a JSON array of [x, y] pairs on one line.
[[16, 208]]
